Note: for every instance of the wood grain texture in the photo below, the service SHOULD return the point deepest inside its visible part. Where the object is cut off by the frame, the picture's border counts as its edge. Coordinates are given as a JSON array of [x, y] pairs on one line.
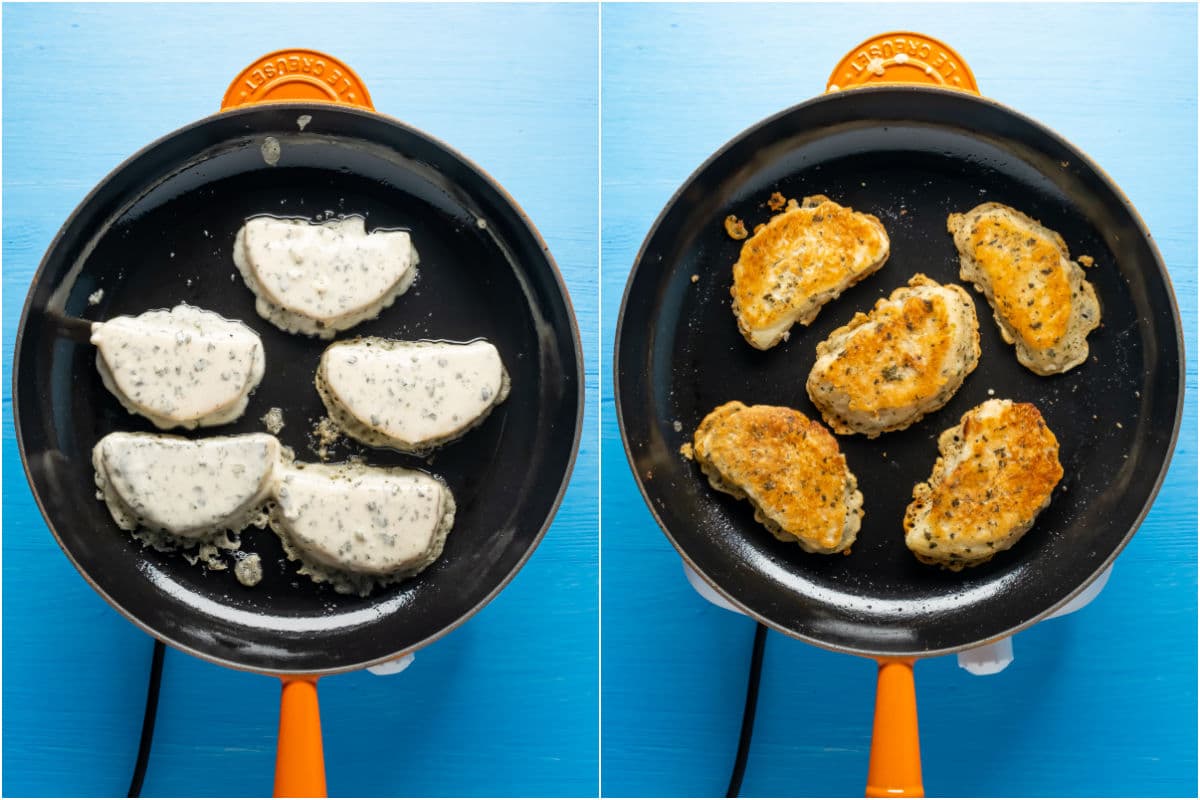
[[507, 705], [1101, 703]]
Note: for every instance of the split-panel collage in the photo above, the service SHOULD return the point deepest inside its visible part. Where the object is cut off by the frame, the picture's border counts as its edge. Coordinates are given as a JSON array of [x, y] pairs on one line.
[[618, 399]]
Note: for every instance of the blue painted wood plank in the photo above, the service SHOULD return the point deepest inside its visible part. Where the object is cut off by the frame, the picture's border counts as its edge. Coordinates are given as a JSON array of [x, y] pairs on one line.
[[507, 705], [1101, 703]]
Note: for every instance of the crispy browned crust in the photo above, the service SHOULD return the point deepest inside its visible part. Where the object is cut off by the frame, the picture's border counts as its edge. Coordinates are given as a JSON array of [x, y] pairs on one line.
[[996, 473], [804, 257], [788, 466], [885, 370], [1041, 300]]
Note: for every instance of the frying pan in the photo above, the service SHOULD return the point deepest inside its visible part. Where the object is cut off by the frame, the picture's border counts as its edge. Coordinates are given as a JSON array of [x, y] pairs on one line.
[[910, 153], [159, 230]]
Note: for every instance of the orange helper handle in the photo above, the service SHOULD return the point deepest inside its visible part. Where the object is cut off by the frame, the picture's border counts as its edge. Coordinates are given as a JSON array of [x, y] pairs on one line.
[[297, 74], [299, 758], [895, 769], [902, 57]]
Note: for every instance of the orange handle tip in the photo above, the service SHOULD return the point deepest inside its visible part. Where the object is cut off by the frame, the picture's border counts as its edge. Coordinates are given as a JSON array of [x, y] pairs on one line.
[[902, 57], [895, 769], [297, 74], [299, 757]]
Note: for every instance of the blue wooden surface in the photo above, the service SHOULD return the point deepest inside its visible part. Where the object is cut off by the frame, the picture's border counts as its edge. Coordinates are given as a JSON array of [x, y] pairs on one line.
[[1096, 704], [507, 704]]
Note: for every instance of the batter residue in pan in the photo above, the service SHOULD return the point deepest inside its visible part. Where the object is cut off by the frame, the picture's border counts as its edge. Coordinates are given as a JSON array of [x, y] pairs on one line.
[[802, 259], [789, 468], [997, 470], [248, 570], [273, 420], [1041, 300], [359, 527], [887, 369], [321, 278], [186, 367], [412, 396], [324, 437], [735, 228]]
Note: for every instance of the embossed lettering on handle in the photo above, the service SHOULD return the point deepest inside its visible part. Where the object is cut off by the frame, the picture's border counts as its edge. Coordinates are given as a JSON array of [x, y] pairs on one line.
[[297, 74], [902, 57]]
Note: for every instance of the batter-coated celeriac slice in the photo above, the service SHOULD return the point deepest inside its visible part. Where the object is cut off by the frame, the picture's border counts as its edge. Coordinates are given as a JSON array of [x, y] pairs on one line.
[[888, 368], [1041, 300], [412, 396], [996, 472], [800, 260], [358, 526], [321, 278], [185, 367], [789, 468], [190, 490]]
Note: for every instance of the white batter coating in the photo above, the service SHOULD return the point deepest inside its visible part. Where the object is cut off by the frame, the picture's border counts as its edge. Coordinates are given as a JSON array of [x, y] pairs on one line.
[[358, 526], [321, 278], [186, 367], [189, 490], [412, 396]]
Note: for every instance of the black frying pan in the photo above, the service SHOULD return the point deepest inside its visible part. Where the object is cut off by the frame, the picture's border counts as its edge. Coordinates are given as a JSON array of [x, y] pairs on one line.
[[911, 156], [159, 230]]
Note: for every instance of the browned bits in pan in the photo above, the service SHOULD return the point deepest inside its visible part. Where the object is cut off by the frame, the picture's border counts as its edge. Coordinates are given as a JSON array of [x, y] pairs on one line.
[[735, 228]]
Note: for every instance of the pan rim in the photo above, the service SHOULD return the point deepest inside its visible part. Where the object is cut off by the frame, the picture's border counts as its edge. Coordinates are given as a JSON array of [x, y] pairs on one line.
[[488, 181], [847, 96]]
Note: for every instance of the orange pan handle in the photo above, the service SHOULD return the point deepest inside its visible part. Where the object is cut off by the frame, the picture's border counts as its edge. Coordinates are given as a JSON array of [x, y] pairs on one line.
[[902, 57], [297, 74], [895, 769], [299, 757]]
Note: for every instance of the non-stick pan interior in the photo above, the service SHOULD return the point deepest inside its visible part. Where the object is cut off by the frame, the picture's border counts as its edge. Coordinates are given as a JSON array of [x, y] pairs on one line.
[[910, 157], [160, 231]]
